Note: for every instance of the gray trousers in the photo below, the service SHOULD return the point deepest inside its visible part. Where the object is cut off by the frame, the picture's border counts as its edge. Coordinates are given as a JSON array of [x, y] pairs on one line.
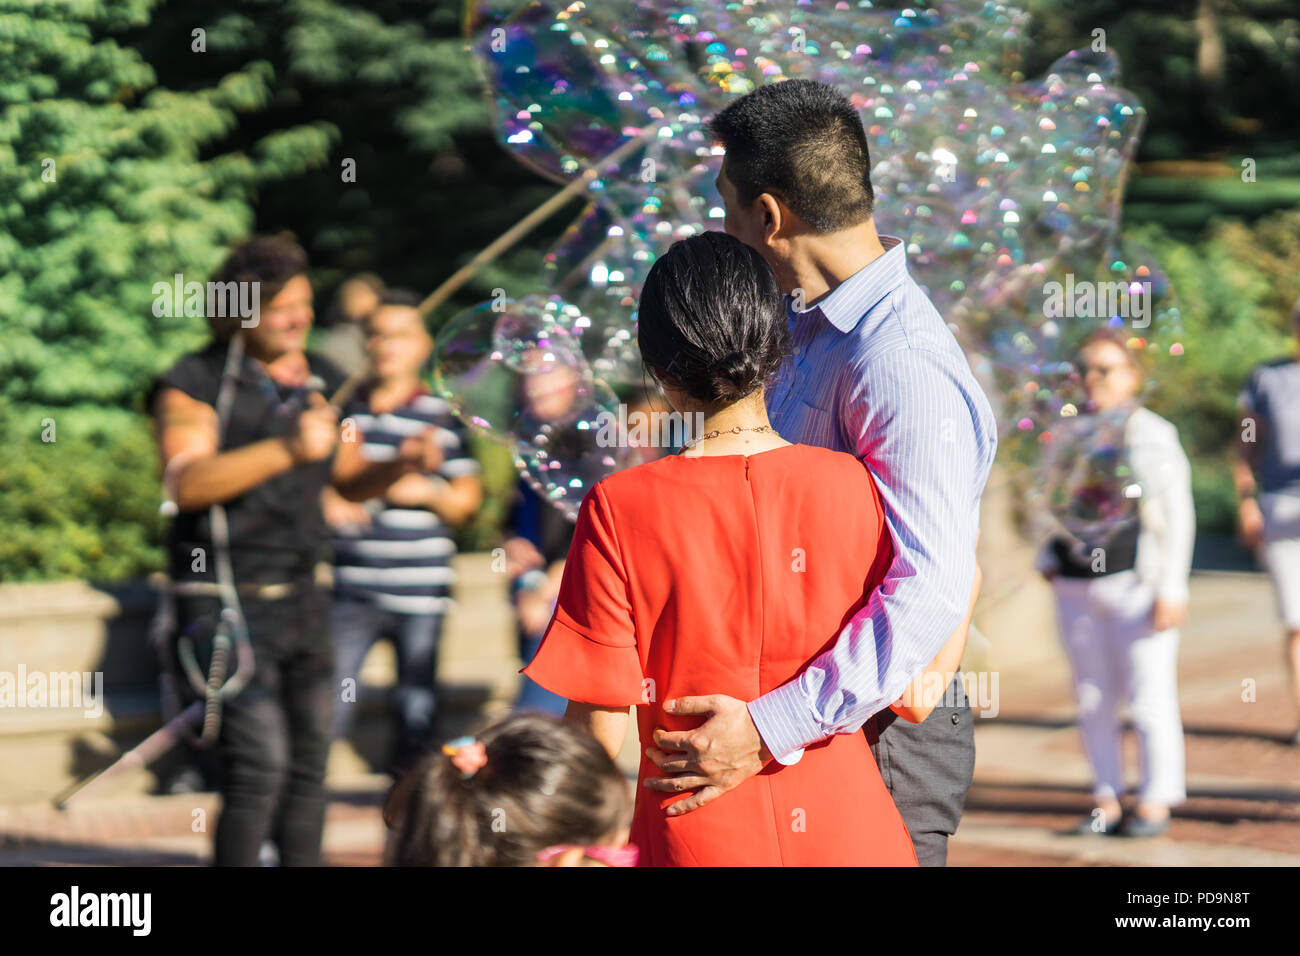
[[927, 768]]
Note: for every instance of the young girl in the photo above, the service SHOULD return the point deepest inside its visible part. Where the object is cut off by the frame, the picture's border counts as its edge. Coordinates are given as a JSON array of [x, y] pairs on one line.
[[529, 791]]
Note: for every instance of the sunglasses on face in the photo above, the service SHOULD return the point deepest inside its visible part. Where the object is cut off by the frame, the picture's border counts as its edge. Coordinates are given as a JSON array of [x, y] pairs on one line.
[[1101, 370]]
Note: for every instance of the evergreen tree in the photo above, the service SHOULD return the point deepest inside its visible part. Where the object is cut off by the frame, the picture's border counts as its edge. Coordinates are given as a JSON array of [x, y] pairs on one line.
[[395, 80], [106, 192]]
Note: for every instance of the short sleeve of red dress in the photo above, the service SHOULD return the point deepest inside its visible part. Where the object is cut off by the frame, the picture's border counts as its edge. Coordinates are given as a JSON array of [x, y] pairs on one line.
[[589, 651]]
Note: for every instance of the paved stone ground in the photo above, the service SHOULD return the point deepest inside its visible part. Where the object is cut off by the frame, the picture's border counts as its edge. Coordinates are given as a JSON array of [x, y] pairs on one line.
[[1031, 780]]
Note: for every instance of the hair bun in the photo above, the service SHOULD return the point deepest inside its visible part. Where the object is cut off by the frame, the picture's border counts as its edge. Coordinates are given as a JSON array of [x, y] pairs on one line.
[[734, 376]]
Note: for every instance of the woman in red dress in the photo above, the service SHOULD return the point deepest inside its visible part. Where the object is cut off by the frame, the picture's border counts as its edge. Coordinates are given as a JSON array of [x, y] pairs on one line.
[[725, 570]]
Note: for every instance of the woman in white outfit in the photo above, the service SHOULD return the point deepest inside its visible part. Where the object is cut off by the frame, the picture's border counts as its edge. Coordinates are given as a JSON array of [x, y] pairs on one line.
[[1119, 609]]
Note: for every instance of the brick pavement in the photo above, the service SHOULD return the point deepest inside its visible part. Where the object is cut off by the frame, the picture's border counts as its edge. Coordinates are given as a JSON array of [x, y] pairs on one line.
[[1031, 784]]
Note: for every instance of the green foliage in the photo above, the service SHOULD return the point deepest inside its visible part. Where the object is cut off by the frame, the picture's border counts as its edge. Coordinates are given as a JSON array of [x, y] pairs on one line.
[[1234, 289], [1211, 75], [394, 79], [82, 505], [106, 190], [500, 481], [162, 155]]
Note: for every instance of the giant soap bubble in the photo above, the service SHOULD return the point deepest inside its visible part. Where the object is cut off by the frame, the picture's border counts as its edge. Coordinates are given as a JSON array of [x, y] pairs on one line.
[[516, 374], [1000, 186]]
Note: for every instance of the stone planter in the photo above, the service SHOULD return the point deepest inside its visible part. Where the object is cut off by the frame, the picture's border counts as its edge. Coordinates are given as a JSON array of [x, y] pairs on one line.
[[73, 627]]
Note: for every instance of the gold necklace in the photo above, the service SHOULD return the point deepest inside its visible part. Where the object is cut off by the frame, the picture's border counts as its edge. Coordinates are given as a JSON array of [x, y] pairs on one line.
[[726, 431]]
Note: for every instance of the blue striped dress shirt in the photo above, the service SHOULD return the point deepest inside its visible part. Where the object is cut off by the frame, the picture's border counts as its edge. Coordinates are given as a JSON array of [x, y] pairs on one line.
[[876, 373]]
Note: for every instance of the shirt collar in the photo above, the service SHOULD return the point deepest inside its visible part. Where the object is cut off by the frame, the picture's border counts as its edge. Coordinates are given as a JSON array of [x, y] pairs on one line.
[[846, 304]]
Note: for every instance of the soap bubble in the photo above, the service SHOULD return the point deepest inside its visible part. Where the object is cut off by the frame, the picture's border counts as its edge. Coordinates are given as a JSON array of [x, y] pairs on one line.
[[999, 185], [517, 375], [1097, 474]]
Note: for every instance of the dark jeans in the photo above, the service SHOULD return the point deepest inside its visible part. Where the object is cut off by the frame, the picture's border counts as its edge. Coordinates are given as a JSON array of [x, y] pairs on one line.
[[927, 768], [357, 623], [274, 739]]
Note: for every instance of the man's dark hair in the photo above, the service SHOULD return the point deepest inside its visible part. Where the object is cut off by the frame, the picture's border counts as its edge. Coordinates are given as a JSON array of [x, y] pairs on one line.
[[270, 261], [803, 142], [711, 320]]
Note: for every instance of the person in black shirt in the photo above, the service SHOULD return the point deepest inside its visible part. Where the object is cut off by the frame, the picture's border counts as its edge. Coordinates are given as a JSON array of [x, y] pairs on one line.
[[257, 471]]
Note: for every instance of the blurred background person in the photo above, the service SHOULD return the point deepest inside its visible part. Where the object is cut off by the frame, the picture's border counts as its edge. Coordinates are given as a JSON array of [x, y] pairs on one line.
[[265, 461], [1119, 616], [539, 533], [1267, 478], [343, 336], [393, 571]]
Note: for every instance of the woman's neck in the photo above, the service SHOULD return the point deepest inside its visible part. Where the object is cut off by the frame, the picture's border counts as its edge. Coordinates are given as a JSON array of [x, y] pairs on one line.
[[747, 414]]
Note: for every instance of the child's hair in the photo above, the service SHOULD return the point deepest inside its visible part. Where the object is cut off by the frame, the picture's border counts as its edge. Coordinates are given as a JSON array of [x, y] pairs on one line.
[[544, 783]]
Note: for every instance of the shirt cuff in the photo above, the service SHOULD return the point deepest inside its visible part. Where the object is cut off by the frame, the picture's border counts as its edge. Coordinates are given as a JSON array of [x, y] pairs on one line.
[[784, 723]]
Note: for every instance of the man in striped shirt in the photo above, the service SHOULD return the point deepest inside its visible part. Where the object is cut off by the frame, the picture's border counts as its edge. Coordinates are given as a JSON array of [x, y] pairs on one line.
[[875, 373], [392, 564]]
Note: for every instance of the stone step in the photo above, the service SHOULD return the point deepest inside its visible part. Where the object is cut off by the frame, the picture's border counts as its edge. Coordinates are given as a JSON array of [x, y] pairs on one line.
[[70, 627]]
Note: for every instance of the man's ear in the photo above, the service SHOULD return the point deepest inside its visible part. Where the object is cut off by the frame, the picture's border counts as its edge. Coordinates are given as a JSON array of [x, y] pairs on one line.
[[773, 216]]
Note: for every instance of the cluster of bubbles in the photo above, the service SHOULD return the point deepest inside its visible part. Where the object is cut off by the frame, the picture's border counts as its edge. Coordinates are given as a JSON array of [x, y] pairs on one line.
[[517, 373], [1005, 190]]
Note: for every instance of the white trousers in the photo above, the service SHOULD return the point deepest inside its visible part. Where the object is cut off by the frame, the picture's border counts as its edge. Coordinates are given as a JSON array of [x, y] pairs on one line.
[[1105, 624], [1281, 553]]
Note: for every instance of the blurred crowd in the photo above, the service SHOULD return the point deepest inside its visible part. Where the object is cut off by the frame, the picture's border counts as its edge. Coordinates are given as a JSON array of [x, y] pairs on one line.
[[278, 456]]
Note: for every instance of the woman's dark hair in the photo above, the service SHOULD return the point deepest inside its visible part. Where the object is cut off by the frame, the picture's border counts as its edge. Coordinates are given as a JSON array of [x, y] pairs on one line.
[[545, 783], [270, 261], [802, 141], [711, 320]]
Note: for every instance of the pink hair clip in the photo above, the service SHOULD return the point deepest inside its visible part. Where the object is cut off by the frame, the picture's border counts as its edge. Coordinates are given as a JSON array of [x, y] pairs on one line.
[[467, 755], [609, 855]]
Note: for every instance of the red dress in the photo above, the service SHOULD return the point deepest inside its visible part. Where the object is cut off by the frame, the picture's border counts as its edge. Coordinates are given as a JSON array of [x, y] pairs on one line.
[[728, 575]]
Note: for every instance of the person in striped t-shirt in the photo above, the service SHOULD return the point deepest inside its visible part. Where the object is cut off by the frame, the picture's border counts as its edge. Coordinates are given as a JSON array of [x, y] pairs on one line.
[[392, 555]]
